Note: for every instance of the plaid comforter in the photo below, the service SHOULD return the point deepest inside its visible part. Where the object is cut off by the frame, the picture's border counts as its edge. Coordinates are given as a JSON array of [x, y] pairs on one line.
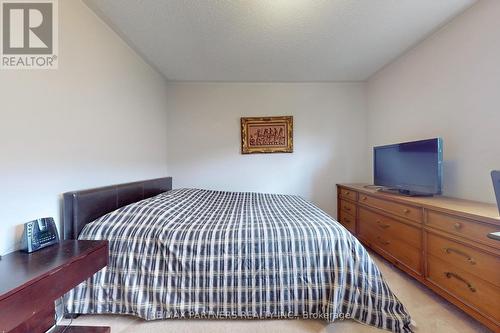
[[192, 253]]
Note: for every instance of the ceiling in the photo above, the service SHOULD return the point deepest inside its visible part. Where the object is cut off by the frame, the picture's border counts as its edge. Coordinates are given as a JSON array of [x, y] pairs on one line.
[[273, 40]]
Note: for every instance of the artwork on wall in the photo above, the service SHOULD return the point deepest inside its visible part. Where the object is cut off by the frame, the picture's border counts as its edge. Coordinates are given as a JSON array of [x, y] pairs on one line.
[[266, 135]]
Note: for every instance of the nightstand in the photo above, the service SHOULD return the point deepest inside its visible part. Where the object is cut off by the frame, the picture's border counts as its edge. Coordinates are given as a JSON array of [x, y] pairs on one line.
[[30, 283]]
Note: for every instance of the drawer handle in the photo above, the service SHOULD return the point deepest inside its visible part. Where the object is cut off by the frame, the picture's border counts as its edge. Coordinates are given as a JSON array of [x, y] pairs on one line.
[[347, 192], [364, 198], [450, 275], [406, 211], [384, 242], [457, 226], [449, 250], [383, 226], [347, 208]]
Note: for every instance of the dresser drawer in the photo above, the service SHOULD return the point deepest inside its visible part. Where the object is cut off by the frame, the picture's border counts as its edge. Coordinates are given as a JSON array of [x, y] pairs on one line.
[[481, 264], [391, 227], [470, 289], [396, 248], [348, 194], [401, 210], [348, 221], [462, 227], [348, 207]]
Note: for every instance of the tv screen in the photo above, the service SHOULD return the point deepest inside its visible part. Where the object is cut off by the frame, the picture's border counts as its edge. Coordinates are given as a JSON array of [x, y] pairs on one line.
[[410, 167]]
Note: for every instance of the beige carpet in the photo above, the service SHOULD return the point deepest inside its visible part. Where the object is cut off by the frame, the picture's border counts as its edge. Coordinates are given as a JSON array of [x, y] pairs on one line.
[[430, 312]]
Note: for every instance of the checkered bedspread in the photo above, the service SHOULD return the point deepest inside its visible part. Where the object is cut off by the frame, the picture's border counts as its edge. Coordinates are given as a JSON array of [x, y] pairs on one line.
[[192, 253]]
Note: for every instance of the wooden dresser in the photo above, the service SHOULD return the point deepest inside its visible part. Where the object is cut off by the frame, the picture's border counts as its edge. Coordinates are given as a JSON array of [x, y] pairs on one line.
[[442, 242]]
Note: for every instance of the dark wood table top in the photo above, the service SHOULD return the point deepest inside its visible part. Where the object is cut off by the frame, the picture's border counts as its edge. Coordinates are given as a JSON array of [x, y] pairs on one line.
[[20, 269]]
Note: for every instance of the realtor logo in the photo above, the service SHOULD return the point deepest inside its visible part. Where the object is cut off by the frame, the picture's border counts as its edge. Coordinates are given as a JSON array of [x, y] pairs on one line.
[[29, 34]]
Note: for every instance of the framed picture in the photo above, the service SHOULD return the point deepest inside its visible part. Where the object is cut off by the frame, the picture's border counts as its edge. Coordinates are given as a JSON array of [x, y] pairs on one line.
[[267, 135]]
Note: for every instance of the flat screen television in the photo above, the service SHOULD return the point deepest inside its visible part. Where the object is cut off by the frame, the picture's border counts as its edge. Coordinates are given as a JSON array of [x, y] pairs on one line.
[[411, 168]]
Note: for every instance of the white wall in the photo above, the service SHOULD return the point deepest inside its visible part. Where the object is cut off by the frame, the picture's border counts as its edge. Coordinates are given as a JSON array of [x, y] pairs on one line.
[[97, 120], [329, 137], [447, 86]]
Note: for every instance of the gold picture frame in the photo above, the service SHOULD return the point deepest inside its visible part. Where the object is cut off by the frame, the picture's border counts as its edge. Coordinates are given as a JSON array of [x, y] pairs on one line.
[[266, 135]]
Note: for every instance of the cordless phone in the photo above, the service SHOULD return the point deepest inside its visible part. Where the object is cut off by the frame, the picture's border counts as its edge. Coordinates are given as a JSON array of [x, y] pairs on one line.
[[38, 234]]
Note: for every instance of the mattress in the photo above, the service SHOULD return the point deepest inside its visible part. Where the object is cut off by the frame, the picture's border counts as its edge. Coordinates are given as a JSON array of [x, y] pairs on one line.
[[191, 253]]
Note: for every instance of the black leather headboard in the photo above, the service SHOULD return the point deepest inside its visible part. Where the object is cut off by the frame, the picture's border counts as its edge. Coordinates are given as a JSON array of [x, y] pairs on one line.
[[82, 207]]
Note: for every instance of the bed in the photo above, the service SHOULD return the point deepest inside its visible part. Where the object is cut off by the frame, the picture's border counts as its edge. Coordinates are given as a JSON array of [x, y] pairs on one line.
[[193, 253]]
